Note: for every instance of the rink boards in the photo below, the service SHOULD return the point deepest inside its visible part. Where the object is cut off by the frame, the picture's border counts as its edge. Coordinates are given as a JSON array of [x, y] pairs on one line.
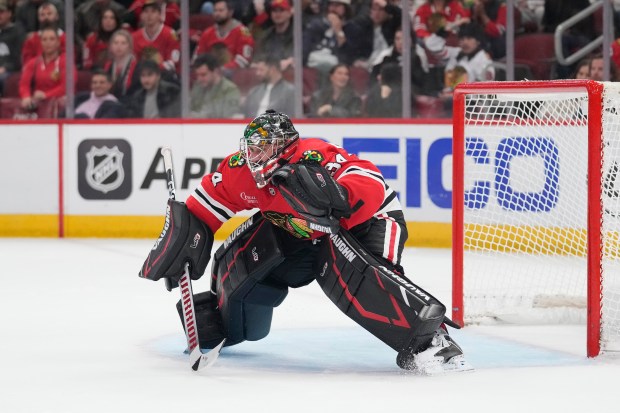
[[79, 179]]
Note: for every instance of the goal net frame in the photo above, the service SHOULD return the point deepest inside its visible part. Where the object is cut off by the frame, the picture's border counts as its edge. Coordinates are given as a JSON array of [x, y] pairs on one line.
[[529, 90]]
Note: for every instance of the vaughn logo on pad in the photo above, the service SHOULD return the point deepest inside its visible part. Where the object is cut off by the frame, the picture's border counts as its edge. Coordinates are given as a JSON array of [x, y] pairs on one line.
[[104, 169]]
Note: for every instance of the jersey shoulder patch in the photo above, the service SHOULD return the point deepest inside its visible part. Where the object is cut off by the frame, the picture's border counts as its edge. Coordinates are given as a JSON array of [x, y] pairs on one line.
[[236, 160], [312, 155]]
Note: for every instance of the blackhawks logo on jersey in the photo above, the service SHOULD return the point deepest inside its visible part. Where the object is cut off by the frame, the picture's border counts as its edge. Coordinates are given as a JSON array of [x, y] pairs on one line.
[[296, 226], [312, 155], [236, 160]]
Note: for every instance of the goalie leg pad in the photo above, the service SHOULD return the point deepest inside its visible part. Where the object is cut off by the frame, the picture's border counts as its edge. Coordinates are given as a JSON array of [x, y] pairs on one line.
[[385, 303], [240, 266]]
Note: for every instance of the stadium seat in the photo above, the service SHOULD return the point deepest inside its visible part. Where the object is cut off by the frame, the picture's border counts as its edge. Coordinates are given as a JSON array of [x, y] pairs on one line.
[[428, 107], [359, 79], [10, 108], [540, 58], [245, 79], [200, 21], [11, 85], [83, 81]]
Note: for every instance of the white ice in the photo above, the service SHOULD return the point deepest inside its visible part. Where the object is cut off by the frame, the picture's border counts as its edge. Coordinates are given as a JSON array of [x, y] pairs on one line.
[[81, 333]]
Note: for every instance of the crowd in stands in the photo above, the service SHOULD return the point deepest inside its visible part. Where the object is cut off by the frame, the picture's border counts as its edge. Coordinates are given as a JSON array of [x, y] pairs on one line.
[[128, 55]]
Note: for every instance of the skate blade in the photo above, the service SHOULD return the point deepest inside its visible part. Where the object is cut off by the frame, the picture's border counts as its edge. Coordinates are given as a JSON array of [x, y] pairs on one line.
[[436, 367]]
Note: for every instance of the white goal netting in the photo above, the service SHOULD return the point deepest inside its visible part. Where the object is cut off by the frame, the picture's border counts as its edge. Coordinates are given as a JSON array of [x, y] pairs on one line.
[[526, 207]]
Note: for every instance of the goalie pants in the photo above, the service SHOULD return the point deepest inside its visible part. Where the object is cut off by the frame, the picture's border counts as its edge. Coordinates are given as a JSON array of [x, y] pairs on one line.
[[254, 268]]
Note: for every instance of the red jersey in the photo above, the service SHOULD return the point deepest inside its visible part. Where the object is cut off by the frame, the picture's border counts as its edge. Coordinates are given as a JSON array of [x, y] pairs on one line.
[[47, 77], [164, 46], [231, 188], [95, 52], [238, 42], [497, 27], [32, 45], [452, 12], [170, 12]]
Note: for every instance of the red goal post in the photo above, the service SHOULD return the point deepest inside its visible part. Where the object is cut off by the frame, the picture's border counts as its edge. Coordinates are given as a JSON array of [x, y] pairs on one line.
[[535, 229]]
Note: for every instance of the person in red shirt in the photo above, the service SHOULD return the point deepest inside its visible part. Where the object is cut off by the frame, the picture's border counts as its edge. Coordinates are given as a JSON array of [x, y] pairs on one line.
[[452, 10], [233, 35], [156, 41], [170, 11], [491, 16], [43, 77], [48, 17], [95, 52], [324, 215]]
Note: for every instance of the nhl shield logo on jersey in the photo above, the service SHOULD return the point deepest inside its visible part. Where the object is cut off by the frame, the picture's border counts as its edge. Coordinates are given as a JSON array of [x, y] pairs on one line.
[[236, 160], [312, 155], [104, 169]]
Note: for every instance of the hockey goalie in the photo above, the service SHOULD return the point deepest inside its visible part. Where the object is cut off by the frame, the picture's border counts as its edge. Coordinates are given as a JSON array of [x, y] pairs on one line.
[[324, 215]]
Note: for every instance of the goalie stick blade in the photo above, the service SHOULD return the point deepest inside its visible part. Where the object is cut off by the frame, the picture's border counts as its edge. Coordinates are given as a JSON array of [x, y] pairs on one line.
[[199, 360]]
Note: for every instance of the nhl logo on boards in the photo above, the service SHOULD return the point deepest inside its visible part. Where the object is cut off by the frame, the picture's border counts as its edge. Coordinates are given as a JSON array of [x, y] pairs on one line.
[[104, 169]]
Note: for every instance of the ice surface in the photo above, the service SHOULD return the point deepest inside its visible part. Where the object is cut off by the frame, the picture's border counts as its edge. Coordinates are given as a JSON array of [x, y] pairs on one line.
[[81, 333]]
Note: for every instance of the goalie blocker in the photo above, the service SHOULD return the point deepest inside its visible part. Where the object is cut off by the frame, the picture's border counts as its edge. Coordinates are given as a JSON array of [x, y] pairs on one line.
[[184, 238]]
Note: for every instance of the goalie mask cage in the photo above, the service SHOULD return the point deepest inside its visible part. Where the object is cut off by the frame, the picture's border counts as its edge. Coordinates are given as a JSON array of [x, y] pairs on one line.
[[536, 206]]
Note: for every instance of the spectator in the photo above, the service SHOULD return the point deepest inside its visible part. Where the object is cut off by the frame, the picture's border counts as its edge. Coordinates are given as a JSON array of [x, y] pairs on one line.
[[419, 62], [597, 69], [156, 41], [452, 10], [278, 39], [377, 30], [170, 13], [274, 92], [337, 99], [122, 65], [48, 17], [89, 15], [385, 99], [575, 37], [97, 44], [212, 96], [11, 39], [27, 14], [472, 58], [583, 70], [99, 103], [227, 31], [156, 98], [491, 15], [43, 77], [325, 40]]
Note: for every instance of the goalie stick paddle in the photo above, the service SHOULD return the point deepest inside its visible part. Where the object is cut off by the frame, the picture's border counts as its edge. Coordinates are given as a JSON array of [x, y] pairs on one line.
[[197, 359]]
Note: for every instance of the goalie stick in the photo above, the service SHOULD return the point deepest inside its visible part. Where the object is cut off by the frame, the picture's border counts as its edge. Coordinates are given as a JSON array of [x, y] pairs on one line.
[[197, 359]]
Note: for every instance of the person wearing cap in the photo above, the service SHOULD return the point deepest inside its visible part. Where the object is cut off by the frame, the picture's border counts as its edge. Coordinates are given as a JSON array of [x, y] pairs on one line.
[[278, 39], [227, 31], [156, 41], [11, 39], [156, 98], [476, 62]]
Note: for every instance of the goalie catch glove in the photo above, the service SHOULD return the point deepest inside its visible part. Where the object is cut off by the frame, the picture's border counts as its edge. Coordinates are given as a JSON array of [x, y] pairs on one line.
[[315, 195], [184, 239]]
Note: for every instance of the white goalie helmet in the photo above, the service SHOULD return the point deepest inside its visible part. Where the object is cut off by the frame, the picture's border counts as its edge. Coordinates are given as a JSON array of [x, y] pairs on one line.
[[268, 142]]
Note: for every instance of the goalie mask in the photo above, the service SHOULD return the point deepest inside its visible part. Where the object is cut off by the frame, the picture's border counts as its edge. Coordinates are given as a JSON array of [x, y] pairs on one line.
[[268, 142]]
